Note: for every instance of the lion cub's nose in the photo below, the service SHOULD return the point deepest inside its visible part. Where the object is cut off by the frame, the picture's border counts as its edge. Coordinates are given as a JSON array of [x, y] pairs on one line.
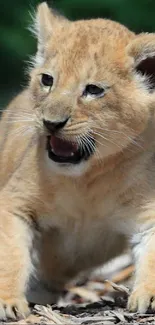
[[54, 126]]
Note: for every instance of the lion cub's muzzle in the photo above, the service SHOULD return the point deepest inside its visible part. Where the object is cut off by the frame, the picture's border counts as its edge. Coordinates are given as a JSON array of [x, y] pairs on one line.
[[65, 151]]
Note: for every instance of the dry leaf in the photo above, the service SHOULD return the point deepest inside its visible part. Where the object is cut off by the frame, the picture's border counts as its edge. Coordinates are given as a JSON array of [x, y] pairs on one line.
[[85, 293], [120, 288]]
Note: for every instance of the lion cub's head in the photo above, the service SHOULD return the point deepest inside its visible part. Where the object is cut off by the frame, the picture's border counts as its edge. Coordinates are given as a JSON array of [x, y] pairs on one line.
[[92, 87]]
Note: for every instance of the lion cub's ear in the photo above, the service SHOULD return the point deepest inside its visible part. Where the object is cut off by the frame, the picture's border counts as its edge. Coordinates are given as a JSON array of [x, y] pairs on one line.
[[45, 22], [142, 50]]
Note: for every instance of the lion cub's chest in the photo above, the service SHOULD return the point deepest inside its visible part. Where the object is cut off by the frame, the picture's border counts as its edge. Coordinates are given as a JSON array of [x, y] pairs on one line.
[[81, 224], [71, 206]]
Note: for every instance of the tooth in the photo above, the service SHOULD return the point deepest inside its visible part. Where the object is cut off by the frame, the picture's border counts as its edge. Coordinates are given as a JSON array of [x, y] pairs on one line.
[[72, 154]]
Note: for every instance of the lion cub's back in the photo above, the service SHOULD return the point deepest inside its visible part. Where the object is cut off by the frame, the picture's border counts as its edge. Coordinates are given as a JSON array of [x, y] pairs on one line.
[[15, 135]]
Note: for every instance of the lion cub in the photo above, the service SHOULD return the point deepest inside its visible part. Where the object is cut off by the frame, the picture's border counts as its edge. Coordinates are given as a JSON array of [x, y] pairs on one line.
[[77, 165]]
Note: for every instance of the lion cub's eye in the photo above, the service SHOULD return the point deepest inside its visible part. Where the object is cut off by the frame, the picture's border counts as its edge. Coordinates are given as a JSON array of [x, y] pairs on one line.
[[46, 80], [93, 90]]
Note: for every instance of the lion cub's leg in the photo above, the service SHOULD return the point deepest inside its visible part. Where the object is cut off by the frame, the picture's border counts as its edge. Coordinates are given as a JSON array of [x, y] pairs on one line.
[[143, 295], [15, 264]]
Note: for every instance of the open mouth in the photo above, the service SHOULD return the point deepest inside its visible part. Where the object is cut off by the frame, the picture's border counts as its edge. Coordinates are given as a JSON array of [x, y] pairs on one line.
[[63, 151]]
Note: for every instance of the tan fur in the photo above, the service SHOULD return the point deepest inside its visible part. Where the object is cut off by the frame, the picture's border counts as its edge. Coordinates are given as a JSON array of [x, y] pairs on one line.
[[82, 214]]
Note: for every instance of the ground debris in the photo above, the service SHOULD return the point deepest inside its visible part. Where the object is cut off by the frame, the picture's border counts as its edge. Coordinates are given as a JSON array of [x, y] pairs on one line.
[[100, 299]]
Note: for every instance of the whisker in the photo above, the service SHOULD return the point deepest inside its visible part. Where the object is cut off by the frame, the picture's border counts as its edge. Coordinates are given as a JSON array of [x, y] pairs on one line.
[[14, 112], [89, 145], [102, 144], [18, 121], [106, 139], [131, 138], [21, 132]]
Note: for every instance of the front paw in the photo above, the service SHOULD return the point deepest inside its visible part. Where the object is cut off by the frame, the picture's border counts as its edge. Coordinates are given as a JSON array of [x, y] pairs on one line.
[[14, 308], [141, 299]]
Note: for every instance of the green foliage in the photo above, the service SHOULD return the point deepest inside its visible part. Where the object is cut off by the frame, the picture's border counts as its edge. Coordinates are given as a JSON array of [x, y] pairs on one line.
[[17, 44]]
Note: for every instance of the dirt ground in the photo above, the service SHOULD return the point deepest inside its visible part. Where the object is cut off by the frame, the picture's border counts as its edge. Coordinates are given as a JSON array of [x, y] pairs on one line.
[[100, 299]]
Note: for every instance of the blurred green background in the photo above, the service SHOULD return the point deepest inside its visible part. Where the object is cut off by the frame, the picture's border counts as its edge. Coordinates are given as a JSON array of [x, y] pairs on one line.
[[17, 44]]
